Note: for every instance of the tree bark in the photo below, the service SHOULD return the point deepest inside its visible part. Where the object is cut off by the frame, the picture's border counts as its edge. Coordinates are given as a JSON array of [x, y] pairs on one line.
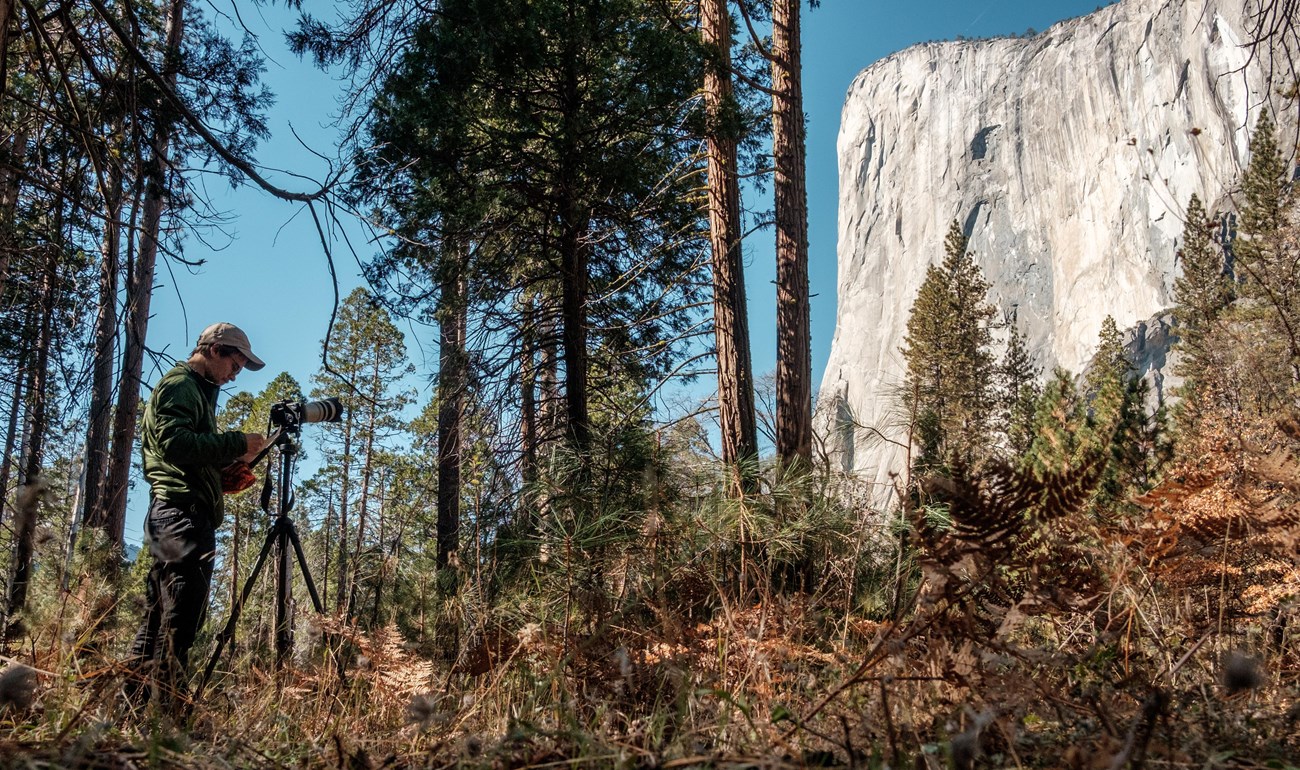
[[34, 442], [95, 514], [376, 610], [341, 600], [793, 344], [573, 265], [11, 434], [730, 314], [7, 8], [451, 395], [528, 415], [363, 498], [140, 291], [10, 187]]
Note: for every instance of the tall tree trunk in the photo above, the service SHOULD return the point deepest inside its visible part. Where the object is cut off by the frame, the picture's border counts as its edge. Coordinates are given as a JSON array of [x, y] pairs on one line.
[[7, 8], [793, 354], [573, 267], [328, 526], [550, 411], [451, 395], [11, 433], [140, 291], [95, 513], [376, 610], [573, 264], [730, 314], [528, 416], [15, 157], [34, 432], [236, 528], [345, 489], [363, 504]]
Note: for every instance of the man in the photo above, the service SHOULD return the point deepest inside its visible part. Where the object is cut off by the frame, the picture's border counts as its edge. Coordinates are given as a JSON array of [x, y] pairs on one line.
[[183, 459]]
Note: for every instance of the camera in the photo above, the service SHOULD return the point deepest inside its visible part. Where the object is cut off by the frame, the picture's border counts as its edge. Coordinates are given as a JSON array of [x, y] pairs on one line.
[[292, 414]]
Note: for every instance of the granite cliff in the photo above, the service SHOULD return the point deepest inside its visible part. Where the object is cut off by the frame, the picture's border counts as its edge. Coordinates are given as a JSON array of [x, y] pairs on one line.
[[1068, 158]]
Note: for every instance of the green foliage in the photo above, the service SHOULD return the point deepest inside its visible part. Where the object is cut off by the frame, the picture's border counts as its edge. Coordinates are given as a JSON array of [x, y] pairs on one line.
[[1117, 425], [1105, 423], [950, 367], [571, 176]]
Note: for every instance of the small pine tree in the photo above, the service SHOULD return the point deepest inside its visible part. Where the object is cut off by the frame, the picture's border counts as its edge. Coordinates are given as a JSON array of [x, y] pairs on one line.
[[1113, 415], [1204, 292], [950, 368], [1018, 392], [1202, 289], [1059, 419], [1270, 286], [1264, 186], [1106, 382], [1118, 428]]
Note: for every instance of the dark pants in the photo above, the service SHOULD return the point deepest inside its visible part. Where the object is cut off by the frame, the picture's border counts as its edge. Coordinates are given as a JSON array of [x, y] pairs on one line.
[[182, 542]]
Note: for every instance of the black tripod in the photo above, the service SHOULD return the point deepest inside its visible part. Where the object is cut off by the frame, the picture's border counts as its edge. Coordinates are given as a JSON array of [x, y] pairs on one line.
[[279, 538]]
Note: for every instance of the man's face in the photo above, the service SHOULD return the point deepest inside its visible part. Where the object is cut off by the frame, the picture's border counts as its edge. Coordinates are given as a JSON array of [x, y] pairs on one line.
[[226, 368]]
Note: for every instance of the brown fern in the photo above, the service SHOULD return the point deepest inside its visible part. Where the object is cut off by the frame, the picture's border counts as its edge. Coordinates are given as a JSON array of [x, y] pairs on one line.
[[995, 507], [1002, 543]]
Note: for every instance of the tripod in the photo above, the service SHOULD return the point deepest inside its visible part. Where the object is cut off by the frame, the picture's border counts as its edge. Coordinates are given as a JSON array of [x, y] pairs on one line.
[[281, 536]]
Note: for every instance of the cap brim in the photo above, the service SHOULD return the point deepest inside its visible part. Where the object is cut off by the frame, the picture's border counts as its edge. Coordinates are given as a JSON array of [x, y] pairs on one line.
[[254, 363]]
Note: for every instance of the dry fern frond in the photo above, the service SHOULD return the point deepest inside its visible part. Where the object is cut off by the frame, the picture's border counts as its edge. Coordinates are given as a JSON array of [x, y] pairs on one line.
[[995, 506], [1003, 546]]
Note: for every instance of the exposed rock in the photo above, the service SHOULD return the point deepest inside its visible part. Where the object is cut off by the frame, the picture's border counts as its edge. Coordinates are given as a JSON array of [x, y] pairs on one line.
[[1068, 157]]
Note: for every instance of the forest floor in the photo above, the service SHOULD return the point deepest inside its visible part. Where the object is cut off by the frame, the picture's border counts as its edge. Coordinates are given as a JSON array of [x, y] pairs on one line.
[[768, 686]]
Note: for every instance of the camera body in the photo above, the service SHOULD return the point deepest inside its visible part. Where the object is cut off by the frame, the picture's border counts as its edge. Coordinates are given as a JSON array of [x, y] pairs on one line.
[[290, 415]]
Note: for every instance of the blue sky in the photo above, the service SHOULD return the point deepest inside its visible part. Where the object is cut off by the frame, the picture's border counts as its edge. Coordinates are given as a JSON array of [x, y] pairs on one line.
[[267, 272]]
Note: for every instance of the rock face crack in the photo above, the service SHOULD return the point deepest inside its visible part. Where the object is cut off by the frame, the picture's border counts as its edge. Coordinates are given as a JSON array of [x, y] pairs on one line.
[[1038, 148]]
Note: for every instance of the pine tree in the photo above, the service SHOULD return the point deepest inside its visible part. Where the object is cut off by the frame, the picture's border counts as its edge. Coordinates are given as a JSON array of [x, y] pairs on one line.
[[1112, 413], [1018, 393], [1059, 419], [1106, 379], [1202, 287], [1271, 275], [367, 354], [556, 143], [950, 367], [1202, 290], [1118, 428], [723, 125], [793, 342]]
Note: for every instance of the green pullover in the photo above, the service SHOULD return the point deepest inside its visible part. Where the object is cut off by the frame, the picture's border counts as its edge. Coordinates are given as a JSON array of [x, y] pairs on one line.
[[183, 452]]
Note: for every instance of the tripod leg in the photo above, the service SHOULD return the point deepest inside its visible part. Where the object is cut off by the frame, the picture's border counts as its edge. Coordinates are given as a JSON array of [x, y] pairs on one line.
[[306, 573], [283, 598], [228, 632], [315, 598]]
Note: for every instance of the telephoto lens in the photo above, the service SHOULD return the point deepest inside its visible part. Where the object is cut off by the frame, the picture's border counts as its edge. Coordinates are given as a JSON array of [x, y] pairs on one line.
[[325, 410]]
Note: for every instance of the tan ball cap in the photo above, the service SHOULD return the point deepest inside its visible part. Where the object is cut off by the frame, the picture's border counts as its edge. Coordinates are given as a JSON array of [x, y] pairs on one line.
[[232, 336]]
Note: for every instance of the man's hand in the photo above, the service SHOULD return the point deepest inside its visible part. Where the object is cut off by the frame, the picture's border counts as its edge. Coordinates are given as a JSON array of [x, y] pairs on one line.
[[253, 443]]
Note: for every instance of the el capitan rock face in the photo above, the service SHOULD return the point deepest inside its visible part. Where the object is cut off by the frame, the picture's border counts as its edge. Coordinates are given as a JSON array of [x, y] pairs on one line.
[[1068, 158]]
